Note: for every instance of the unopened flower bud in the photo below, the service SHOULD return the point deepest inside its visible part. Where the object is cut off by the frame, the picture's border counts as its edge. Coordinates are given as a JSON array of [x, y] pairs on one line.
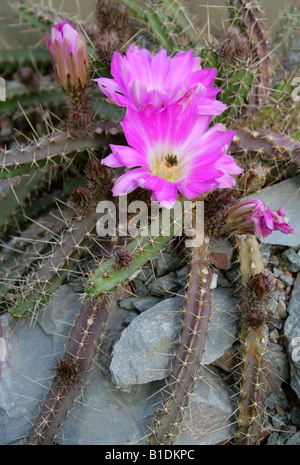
[[259, 284], [68, 50], [81, 197], [96, 172]]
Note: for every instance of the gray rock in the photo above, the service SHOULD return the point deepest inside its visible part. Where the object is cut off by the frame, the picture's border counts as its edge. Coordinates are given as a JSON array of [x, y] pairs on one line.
[[293, 440], [283, 193], [29, 354], [223, 326], [223, 281], [209, 417], [166, 262], [295, 416], [107, 416], [144, 351], [292, 336], [233, 274], [292, 260], [276, 439], [277, 362], [163, 286], [286, 279], [266, 252], [221, 252], [145, 273], [139, 288], [104, 415], [144, 303]]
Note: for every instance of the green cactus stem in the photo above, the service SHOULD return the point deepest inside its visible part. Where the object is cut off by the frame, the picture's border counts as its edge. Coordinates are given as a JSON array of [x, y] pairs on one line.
[[234, 94], [21, 253], [71, 372], [35, 289], [143, 248], [46, 97], [269, 144], [168, 22], [15, 194], [59, 148], [12, 59], [249, 14], [253, 341], [188, 357]]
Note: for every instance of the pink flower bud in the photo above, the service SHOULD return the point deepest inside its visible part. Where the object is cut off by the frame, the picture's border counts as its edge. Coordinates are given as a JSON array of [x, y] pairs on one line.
[[68, 50], [254, 217]]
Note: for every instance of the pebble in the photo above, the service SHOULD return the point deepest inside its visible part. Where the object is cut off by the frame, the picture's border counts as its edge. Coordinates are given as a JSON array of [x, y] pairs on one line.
[[144, 351], [292, 260], [292, 336]]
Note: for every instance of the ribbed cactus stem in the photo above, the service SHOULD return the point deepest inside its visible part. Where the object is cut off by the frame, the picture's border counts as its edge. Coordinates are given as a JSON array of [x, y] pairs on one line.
[[188, 357], [143, 248], [71, 372], [235, 93], [252, 339], [249, 13], [58, 148], [36, 288], [268, 144]]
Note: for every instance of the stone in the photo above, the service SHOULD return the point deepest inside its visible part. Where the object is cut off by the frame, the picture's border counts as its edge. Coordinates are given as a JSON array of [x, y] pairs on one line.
[[30, 351], [104, 415], [233, 273], [214, 281], [222, 280], [166, 262], [108, 416], [288, 280], [266, 252], [292, 260], [209, 417], [144, 303], [223, 326], [139, 288], [292, 338], [163, 286], [286, 193], [221, 252], [293, 440], [144, 351], [281, 310]]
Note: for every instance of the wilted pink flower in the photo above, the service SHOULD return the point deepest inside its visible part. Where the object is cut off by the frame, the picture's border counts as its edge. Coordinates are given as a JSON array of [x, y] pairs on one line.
[[254, 217], [170, 151], [68, 50], [140, 80]]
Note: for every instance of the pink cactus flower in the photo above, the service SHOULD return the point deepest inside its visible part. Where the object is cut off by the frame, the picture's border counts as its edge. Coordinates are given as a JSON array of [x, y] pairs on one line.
[[254, 217], [68, 50], [140, 80], [173, 151]]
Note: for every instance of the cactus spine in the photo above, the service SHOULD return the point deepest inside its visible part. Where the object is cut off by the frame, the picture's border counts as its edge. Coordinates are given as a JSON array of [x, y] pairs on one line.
[[70, 373], [188, 357], [252, 340]]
